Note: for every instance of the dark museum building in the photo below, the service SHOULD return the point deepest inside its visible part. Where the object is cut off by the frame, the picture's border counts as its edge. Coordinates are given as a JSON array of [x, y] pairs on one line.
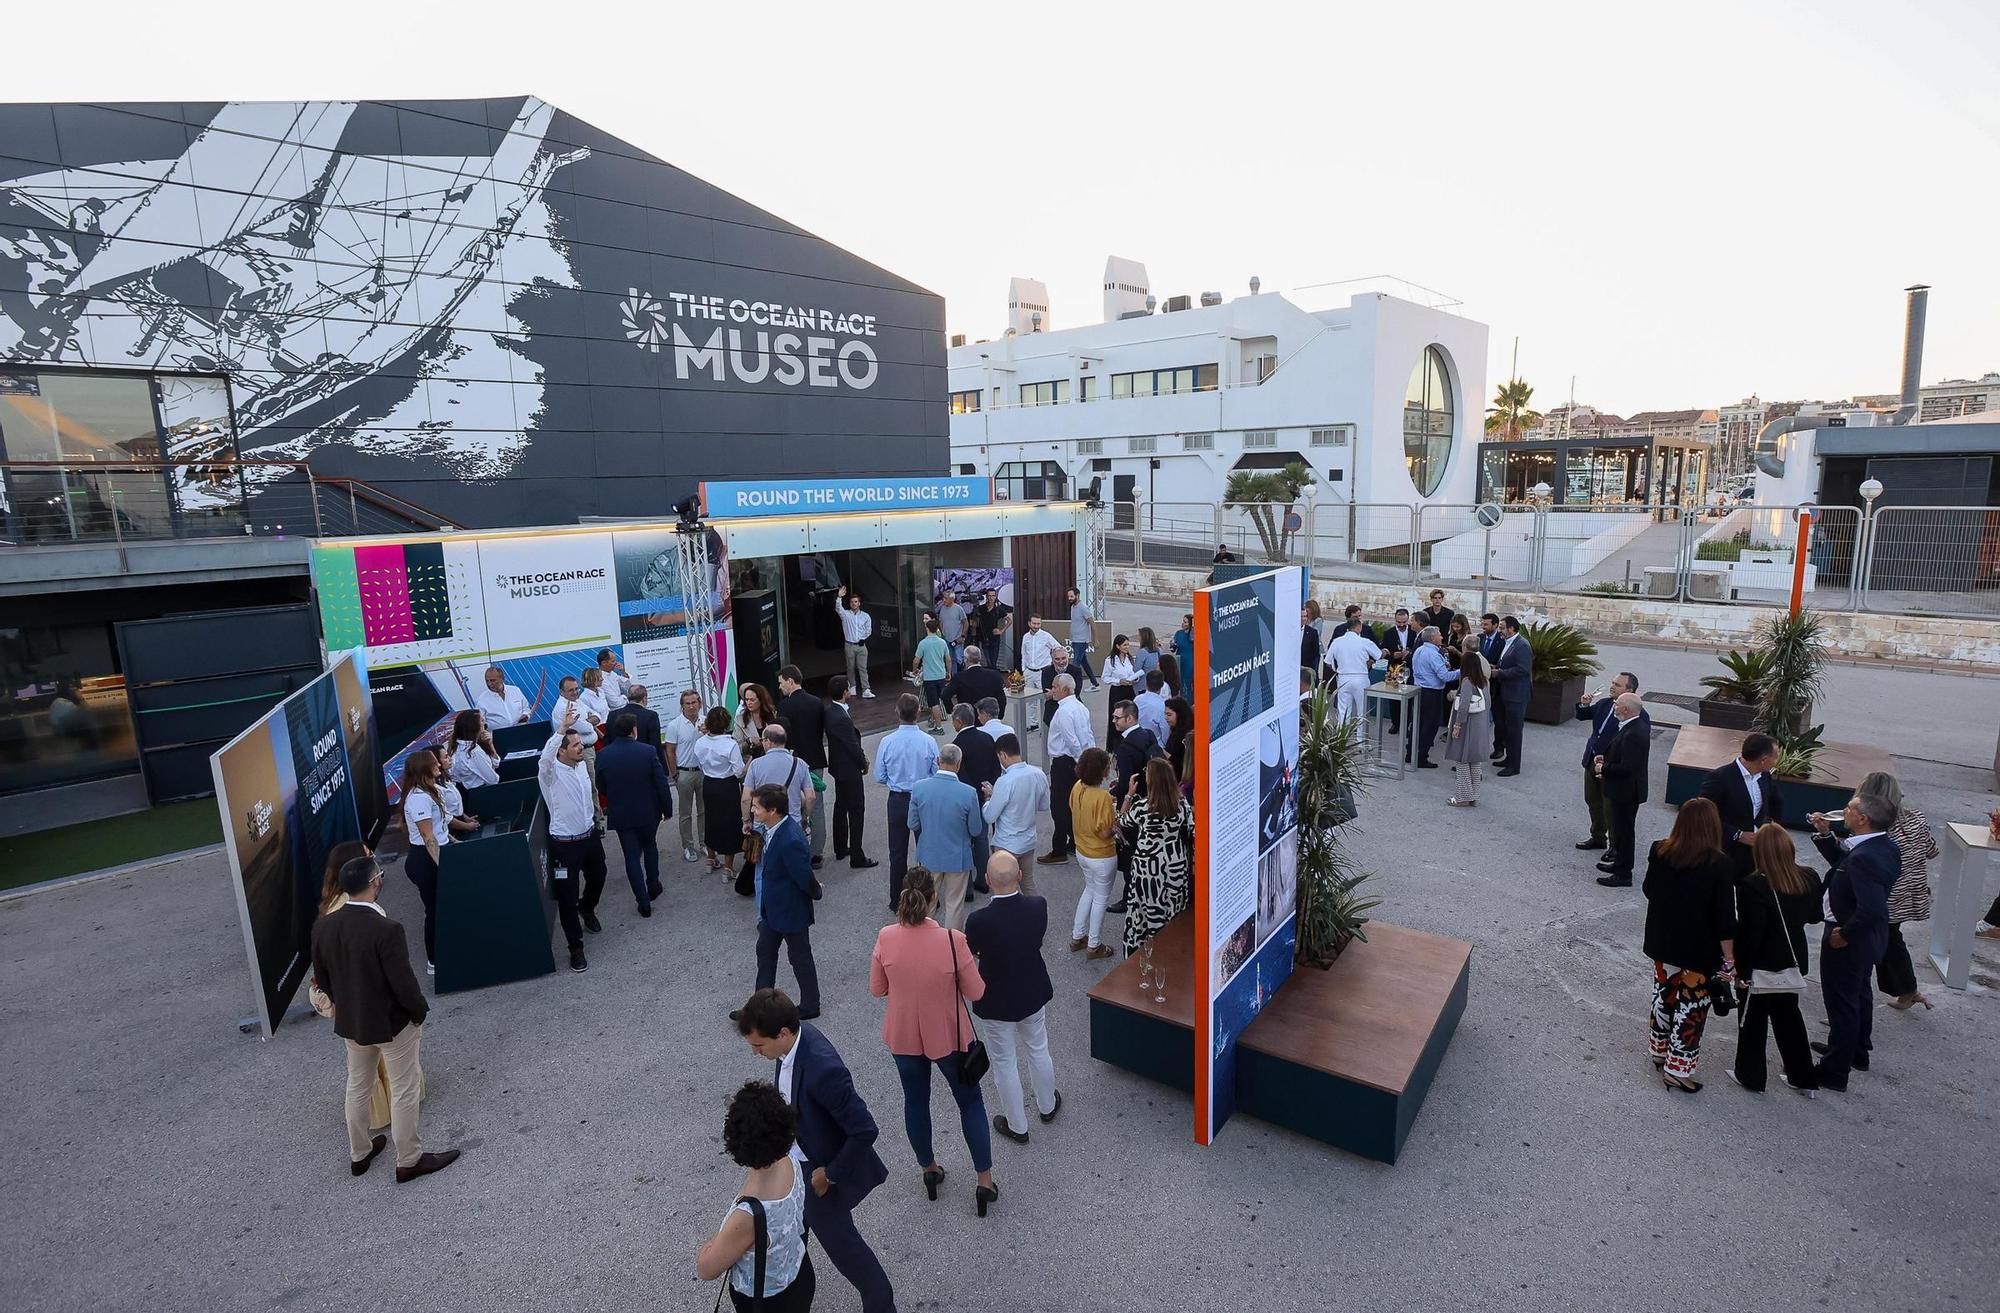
[[228, 328]]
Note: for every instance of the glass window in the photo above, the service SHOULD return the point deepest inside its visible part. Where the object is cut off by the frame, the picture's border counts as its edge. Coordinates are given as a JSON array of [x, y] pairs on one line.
[[83, 420], [1204, 378], [1121, 386], [63, 714], [965, 403], [1142, 385], [1086, 388], [1428, 417]]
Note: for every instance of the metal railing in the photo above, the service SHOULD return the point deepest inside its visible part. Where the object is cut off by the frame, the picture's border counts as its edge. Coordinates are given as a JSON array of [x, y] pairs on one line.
[[1913, 560], [50, 503]]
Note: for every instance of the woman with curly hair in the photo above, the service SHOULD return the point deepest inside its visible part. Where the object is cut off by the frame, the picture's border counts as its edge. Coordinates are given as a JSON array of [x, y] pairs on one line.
[[762, 1241]]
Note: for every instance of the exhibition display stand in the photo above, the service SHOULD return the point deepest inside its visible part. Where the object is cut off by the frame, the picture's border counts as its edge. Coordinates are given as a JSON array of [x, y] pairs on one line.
[[1970, 854], [493, 919]]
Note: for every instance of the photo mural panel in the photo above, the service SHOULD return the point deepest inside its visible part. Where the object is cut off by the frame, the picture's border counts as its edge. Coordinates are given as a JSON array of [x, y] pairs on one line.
[[427, 294]]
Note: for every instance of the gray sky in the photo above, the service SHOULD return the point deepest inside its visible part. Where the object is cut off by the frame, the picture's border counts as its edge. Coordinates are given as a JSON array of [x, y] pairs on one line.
[[1677, 206]]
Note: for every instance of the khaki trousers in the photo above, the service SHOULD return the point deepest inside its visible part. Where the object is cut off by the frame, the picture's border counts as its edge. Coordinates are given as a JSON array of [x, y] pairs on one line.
[[687, 801], [951, 887], [857, 667], [1026, 861], [406, 1083]]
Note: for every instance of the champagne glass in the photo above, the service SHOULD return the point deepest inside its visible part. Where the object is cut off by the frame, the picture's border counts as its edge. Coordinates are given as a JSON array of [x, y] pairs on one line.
[[1159, 984], [1145, 973]]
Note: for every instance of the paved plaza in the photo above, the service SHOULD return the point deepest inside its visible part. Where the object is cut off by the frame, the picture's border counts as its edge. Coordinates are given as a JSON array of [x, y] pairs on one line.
[[157, 1159]]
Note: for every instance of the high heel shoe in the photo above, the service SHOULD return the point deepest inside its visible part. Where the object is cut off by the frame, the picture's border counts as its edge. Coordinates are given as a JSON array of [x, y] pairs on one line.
[[933, 1177], [984, 1195], [1908, 1001]]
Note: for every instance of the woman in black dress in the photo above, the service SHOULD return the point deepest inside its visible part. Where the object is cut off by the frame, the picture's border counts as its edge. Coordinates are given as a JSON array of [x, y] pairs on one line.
[[720, 758], [1774, 905], [1690, 892]]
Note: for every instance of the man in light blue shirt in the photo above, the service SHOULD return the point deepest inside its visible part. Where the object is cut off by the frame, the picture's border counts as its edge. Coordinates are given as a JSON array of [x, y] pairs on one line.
[[951, 628], [1012, 804], [1152, 705], [1430, 673], [945, 817], [933, 666], [903, 760]]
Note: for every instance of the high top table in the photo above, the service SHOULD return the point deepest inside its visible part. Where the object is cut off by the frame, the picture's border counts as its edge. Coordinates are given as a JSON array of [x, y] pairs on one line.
[[1970, 855]]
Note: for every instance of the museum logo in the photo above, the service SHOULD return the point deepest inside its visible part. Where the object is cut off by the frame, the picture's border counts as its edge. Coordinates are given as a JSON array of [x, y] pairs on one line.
[[552, 583], [731, 340]]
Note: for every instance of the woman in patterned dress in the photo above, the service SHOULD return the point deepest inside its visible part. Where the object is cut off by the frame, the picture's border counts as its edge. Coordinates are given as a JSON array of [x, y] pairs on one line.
[[1158, 830]]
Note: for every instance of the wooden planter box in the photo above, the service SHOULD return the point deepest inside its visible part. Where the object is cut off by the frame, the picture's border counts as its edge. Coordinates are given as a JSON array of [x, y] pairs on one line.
[[1700, 749], [1724, 713], [1554, 704]]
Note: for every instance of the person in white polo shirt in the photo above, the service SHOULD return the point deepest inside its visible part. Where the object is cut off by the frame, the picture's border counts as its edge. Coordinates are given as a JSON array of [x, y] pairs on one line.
[[681, 733]]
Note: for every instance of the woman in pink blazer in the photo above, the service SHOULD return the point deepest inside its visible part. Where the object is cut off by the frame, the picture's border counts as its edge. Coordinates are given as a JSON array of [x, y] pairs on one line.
[[926, 1026]]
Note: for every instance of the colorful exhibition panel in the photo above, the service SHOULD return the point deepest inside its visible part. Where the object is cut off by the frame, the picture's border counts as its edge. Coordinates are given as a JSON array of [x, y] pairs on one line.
[[1246, 857], [290, 788], [434, 613]]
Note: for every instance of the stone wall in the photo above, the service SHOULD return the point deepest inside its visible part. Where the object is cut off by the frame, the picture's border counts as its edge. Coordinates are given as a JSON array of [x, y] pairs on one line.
[[1859, 635]]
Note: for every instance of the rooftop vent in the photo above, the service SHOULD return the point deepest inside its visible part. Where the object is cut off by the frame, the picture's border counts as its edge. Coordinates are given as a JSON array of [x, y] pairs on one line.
[[1211, 298], [1175, 303]]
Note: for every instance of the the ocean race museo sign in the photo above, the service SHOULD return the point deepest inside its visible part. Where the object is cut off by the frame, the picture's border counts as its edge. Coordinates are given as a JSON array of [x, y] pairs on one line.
[[739, 499], [737, 340]]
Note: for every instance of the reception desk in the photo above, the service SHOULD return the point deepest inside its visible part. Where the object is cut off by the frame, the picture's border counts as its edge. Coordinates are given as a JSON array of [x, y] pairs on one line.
[[494, 920]]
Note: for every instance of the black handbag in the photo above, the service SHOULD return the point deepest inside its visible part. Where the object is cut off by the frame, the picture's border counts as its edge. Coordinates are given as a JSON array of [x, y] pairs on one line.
[[973, 1060]]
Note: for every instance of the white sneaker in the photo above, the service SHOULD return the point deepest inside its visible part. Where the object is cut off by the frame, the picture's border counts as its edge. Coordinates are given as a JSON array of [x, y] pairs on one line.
[[430, 968], [868, 693], [1987, 930], [690, 855]]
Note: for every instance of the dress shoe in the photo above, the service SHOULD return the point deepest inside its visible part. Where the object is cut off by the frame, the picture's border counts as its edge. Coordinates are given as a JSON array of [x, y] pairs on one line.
[[1828, 1082], [808, 1014], [1860, 1059], [1590, 845], [592, 924], [1605, 863], [645, 909], [655, 889], [1115, 909], [1050, 1115], [840, 854], [1000, 1125], [1508, 772], [1427, 765], [375, 1146], [1078, 944], [816, 863], [1053, 859], [424, 1166], [1615, 881], [865, 863], [577, 961]]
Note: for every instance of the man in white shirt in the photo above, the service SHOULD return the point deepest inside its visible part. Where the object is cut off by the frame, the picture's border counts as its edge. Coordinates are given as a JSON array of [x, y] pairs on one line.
[[1012, 804], [1351, 655], [991, 723], [681, 733], [583, 710], [1069, 735], [500, 704], [1151, 704], [617, 684], [1038, 652], [856, 625], [576, 853]]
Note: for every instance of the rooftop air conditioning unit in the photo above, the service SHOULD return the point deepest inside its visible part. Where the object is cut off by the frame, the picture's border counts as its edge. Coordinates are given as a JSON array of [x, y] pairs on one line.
[[1177, 303], [1211, 298], [958, 339]]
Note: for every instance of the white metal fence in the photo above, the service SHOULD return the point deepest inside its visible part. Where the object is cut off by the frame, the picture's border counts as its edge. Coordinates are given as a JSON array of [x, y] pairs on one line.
[[1914, 560]]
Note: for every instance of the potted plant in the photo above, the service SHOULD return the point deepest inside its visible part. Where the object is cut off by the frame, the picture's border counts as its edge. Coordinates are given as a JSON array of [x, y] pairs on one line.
[[1330, 780], [1794, 648], [1731, 702], [1564, 661]]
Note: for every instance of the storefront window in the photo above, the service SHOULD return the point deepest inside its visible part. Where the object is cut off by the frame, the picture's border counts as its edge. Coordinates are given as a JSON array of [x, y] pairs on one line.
[[63, 715], [1029, 481], [1427, 421]]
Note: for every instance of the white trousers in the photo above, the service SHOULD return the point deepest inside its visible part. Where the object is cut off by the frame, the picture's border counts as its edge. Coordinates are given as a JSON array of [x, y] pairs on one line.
[[1000, 1040], [1097, 873], [1350, 697]]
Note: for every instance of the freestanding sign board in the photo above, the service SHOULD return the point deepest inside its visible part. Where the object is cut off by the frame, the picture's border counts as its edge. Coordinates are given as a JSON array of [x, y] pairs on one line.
[[1246, 712]]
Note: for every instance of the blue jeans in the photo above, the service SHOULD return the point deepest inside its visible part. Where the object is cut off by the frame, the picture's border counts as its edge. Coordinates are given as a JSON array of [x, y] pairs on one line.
[[641, 846], [915, 1069], [1079, 655]]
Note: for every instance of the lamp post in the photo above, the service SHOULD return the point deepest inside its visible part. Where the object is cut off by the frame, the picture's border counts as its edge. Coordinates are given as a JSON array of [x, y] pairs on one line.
[[1310, 491], [1864, 546], [1542, 496]]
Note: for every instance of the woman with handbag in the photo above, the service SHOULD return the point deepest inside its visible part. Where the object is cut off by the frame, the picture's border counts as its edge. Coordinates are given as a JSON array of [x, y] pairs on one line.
[[1469, 735], [762, 1242], [1690, 890], [927, 974], [1774, 905], [721, 762]]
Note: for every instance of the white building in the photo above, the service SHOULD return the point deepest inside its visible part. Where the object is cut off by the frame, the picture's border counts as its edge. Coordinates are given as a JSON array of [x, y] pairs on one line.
[[1957, 398], [1382, 398]]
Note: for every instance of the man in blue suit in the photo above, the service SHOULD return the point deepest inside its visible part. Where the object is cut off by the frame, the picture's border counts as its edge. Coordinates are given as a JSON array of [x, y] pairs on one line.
[[1516, 677], [1857, 931], [1597, 709], [945, 818], [785, 893], [637, 797], [836, 1135]]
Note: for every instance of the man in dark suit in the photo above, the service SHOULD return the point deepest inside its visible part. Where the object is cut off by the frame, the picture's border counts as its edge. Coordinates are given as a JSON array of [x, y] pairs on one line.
[[785, 891], [649, 722], [1597, 708], [1399, 641], [978, 765], [362, 960], [848, 764], [836, 1134], [1006, 936], [1622, 768], [1746, 795], [637, 798], [804, 719], [977, 680], [1491, 639], [1516, 678], [1856, 934]]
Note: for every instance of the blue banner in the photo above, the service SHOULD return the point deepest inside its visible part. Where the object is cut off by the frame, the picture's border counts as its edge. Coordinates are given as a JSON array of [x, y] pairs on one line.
[[742, 499]]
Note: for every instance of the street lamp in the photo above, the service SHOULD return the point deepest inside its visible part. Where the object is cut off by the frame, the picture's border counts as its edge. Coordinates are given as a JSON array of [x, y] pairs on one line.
[[1310, 491], [1864, 550], [1870, 490], [1541, 494]]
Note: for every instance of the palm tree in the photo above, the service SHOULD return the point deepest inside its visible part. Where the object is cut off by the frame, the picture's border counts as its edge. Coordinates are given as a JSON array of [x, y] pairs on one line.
[[1510, 415], [1269, 496]]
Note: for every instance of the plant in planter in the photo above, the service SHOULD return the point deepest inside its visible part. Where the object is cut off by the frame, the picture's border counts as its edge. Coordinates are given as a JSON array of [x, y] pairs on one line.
[[1330, 780], [1564, 660], [1795, 648], [1731, 702]]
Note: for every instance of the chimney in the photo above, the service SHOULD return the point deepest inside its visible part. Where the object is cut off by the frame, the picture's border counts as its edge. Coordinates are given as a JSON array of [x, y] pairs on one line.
[[1913, 352]]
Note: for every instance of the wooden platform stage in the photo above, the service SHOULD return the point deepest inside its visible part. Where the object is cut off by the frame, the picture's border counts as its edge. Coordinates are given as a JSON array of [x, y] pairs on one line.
[[1699, 749], [1344, 1055]]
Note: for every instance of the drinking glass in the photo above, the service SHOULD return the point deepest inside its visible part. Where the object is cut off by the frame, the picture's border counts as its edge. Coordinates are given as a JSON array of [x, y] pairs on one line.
[[1159, 984], [1145, 972]]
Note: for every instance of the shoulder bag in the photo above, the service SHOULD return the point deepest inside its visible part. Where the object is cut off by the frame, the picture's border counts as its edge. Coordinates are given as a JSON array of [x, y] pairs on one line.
[[753, 842], [763, 1250], [973, 1061], [1791, 980]]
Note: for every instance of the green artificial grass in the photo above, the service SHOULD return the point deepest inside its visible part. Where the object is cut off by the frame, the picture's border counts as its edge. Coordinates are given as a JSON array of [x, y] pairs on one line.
[[94, 845]]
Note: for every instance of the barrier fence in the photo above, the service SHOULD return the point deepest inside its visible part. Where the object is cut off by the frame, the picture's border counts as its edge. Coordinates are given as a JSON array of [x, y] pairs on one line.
[[1914, 560]]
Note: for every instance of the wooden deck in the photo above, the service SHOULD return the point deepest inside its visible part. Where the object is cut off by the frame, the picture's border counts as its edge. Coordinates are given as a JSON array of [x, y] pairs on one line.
[[1699, 749]]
